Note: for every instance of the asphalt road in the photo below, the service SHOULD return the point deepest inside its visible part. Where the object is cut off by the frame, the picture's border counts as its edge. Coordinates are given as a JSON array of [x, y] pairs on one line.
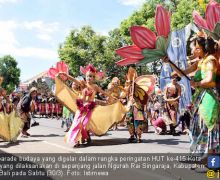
[[48, 137]]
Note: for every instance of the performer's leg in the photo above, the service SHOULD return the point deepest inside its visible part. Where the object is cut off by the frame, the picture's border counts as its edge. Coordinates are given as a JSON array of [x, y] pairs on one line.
[[84, 134], [26, 127], [88, 138], [131, 131], [139, 132]]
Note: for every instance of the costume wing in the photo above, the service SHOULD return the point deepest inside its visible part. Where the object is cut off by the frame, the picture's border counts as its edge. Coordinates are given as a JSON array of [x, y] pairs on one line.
[[10, 126], [140, 94], [103, 117], [144, 86]]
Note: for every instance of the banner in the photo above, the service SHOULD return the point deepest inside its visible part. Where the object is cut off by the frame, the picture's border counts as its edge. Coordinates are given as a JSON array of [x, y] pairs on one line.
[[177, 54]]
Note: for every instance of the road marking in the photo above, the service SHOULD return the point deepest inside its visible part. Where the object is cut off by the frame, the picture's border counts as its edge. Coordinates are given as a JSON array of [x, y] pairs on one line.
[[62, 147], [56, 145]]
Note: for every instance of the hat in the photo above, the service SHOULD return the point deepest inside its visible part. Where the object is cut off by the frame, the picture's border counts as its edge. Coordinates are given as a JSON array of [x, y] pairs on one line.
[[33, 89]]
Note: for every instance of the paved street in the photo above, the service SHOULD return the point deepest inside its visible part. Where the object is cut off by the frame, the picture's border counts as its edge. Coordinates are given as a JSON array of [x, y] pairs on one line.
[[48, 137]]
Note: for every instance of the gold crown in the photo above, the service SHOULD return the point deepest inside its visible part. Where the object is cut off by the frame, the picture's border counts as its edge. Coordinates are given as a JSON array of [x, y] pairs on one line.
[[202, 34]]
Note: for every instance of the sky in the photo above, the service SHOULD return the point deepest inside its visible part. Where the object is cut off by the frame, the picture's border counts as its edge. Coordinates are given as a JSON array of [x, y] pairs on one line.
[[31, 30]]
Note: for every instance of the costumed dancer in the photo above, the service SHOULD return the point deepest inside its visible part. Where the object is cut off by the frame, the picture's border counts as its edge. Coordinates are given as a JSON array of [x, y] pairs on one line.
[[206, 121], [139, 118], [10, 123], [172, 95], [47, 106], [5, 104], [117, 91], [205, 125], [78, 131], [25, 106], [137, 88], [50, 104]]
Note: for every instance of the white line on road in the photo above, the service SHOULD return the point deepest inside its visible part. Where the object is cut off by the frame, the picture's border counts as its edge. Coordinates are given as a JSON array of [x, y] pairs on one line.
[[62, 147], [56, 145]]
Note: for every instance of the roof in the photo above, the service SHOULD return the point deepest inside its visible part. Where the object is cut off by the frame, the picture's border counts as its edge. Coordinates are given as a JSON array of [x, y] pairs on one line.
[[41, 75]]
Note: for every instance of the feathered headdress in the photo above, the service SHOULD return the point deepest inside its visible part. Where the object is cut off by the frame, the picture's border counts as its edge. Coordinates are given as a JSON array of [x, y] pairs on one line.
[[91, 68]]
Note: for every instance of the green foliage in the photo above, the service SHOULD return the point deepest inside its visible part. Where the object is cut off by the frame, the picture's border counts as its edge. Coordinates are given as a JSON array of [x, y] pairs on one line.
[[182, 15], [144, 16], [84, 45], [10, 72]]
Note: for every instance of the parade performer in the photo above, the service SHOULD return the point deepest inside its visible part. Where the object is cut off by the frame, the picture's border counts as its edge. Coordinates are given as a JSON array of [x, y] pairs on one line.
[[78, 131], [117, 91], [43, 107], [102, 116], [10, 123], [138, 90], [115, 88], [205, 121], [25, 106], [47, 106], [139, 118], [172, 95]]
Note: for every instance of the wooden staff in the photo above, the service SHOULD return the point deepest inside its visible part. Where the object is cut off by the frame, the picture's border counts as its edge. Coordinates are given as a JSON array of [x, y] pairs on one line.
[[132, 90], [180, 71]]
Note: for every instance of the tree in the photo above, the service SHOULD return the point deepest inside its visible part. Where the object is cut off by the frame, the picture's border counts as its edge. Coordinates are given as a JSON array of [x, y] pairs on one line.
[[182, 15], [143, 16], [10, 72], [82, 47]]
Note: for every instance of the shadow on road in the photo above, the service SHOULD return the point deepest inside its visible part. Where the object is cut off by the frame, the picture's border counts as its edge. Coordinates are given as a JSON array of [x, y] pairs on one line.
[[109, 142], [165, 141], [10, 144], [47, 135], [120, 141]]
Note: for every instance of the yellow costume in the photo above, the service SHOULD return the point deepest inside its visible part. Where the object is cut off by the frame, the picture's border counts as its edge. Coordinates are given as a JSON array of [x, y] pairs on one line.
[[102, 118], [10, 126]]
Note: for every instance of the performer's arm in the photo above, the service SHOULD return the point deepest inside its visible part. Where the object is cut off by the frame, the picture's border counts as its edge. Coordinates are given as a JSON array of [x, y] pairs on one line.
[[71, 78], [165, 94], [190, 69], [179, 93], [98, 89]]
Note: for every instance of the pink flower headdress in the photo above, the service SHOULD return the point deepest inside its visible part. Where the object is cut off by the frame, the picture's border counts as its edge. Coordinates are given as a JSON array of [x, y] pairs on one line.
[[90, 68], [60, 67]]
